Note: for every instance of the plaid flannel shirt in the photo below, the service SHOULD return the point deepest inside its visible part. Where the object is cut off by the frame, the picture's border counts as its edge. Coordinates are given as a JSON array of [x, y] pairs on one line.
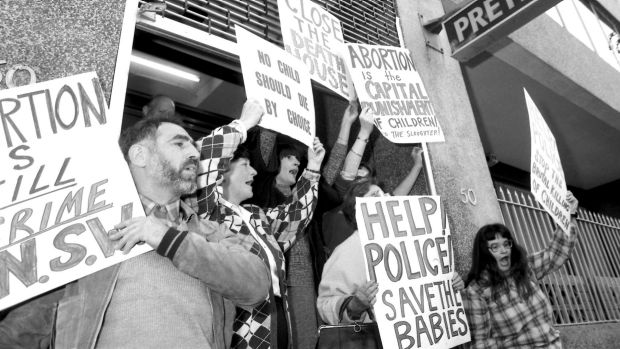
[[279, 228], [511, 321]]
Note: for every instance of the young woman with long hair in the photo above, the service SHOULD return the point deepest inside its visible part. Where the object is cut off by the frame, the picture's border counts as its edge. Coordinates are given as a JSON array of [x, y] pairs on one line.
[[505, 307]]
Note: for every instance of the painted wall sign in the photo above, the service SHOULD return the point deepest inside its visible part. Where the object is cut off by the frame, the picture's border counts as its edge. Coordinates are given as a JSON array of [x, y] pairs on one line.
[[482, 22], [408, 251], [60, 193]]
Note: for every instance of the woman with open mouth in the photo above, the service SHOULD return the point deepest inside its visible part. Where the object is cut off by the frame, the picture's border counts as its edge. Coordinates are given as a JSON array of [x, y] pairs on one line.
[[505, 307]]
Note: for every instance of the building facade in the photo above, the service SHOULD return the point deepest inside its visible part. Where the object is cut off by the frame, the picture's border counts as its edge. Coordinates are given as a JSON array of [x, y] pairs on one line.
[[567, 58]]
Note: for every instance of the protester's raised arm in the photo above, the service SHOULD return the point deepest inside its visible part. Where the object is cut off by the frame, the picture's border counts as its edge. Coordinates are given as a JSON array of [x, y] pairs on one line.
[[404, 187], [339, 150], [216, 150], [354, 157], [288, 221], [559, 249]]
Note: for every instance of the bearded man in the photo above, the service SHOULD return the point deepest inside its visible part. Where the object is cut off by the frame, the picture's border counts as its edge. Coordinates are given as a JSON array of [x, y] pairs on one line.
[[175, 296], [181, 295]]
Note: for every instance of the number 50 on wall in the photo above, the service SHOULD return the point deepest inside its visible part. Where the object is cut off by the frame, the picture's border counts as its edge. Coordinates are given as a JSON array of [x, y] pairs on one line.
[[468, 196]]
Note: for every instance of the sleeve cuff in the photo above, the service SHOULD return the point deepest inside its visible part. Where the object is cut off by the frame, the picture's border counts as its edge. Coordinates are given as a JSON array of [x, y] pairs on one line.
[[239, 126], [170, 242], [311, 175]]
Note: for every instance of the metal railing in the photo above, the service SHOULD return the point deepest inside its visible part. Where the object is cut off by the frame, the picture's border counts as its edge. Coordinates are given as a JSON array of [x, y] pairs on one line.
[[363, 21], [587, 288]]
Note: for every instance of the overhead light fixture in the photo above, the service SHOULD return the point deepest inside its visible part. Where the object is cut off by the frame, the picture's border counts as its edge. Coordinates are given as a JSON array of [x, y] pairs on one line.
[[164, 68]]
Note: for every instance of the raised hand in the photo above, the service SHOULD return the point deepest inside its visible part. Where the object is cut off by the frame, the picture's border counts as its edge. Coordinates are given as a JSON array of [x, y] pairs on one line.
[[316, 153], [573, 203], [367, 122], [351, 113], [364, 297], [416, 154], [251, 113]]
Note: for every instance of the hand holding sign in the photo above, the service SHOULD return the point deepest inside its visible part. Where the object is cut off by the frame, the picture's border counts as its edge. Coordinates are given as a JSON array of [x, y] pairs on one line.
[[457, 282], [366, 122], [365, 296], [316, 153], [573, 203], [252, 113], [133, 231], [416, 154], [351, 113]]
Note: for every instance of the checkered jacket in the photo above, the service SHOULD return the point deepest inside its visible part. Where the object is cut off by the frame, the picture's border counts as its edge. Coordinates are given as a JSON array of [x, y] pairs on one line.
[[511, 321], [279, 228]]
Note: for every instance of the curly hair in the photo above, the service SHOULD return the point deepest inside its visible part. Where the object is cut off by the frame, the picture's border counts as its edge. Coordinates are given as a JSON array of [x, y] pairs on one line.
[[484, 262], [146, 128], [357, 189]]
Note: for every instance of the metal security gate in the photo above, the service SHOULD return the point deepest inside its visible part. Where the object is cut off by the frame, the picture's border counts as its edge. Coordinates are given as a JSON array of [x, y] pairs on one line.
[[363, 21], [587, 288]]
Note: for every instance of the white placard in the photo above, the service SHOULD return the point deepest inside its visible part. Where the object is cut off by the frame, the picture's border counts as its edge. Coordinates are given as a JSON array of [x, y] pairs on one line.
[[314, 36], [546, 174], [64, 184], [408, 251], [281, 83], [386, 81]]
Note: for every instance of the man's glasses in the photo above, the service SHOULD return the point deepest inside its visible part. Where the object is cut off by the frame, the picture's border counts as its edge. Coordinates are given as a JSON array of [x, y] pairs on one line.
[[507, 245]]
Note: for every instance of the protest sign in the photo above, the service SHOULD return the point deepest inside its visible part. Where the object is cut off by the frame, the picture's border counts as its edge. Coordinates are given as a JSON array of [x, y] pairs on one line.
[[314, 36], [64, 185], [546, 174], [281, 82], [387, 82], [408, 252]]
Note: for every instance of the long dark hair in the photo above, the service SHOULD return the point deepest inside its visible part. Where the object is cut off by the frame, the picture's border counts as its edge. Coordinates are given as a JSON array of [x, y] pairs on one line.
[[358, 188], [484, 262]]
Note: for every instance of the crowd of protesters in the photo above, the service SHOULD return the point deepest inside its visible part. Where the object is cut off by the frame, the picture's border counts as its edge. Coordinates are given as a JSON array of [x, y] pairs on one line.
[[236, 226]]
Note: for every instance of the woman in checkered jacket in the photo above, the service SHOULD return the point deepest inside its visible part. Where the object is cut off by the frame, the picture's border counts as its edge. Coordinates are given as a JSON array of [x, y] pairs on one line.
[[505, 306], [224, 182]]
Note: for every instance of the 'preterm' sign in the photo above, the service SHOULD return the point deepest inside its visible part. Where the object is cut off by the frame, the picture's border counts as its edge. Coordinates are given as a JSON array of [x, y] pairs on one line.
[[481, 22], [408, 251]]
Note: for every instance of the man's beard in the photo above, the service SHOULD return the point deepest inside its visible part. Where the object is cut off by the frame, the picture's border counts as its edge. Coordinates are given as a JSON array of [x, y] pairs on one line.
[[182, 183]]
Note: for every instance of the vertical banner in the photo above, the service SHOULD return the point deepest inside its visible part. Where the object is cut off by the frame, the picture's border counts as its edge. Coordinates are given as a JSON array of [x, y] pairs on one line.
[[546, 173], [64, 185], [408, 252], [281, 82], [386, 81], [314, 36]]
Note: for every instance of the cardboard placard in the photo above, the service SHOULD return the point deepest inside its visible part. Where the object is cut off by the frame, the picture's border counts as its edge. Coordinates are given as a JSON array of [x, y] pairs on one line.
[[281, 82], [408, 251], [314, 36], [64, 185], [547, 181], [386, 81]]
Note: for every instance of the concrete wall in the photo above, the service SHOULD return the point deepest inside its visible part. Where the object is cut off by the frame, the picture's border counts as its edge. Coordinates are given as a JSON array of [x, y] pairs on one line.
[[61, 38], [459, 163], [602, 335]]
